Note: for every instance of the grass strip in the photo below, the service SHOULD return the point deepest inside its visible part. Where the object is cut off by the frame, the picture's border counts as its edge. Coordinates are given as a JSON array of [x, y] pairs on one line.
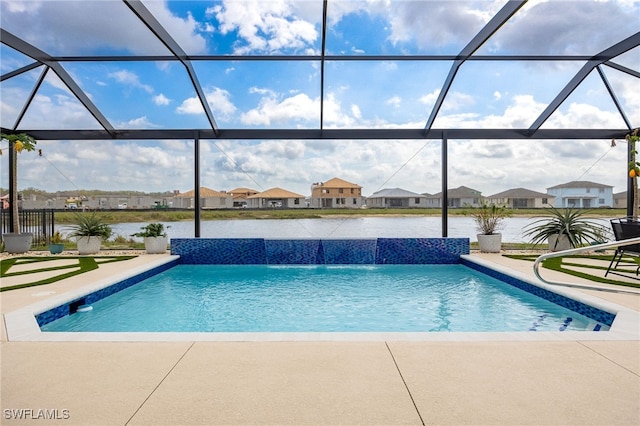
[[558, 264], [85, 264]]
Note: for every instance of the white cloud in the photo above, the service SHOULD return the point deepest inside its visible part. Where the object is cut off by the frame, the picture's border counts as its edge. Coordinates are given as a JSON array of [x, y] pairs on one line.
[[218, 100], [457, 100], [271, 110], [190, 106], [130, 79], [138, 123], [394, 101], [183, 30], [112, 26], [430, 98], [264, 26], [161, 100]]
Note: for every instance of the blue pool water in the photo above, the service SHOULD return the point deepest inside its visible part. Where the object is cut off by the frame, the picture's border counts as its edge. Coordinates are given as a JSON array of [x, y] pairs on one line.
[[262, 298]]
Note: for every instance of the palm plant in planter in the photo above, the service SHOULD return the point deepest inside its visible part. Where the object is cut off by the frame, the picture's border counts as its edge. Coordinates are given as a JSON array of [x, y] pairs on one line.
[[90, 231], [564, 229], [155, 238], [56, 246], [17, 242], [489, 218]]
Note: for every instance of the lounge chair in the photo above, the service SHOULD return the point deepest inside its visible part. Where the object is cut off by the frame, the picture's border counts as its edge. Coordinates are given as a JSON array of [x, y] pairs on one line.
[[625, 229]]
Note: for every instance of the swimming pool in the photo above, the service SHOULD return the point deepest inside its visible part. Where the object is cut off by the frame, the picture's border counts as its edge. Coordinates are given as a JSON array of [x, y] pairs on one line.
[[321, 298], [622, 323]]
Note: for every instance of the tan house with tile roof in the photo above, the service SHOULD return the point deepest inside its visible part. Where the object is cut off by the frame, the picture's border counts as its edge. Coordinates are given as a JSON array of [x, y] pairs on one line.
[[240, 196], [336, 193], [276, 198], [209, 199]]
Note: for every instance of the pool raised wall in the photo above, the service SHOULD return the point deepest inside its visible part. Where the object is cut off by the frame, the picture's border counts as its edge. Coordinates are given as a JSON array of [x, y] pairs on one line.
[[259, 251]]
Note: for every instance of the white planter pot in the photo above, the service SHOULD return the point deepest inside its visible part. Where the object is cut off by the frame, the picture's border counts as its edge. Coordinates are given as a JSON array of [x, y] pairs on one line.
[[17, 243], [89, 245], [490, 243], [556, 244], [155, 245]]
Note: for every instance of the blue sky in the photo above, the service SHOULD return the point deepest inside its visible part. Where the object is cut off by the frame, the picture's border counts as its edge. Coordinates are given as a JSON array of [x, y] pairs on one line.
[[254, 94]]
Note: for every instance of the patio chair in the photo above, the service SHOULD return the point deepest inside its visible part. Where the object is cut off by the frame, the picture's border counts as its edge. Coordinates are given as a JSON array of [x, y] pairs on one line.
[[624, 229]]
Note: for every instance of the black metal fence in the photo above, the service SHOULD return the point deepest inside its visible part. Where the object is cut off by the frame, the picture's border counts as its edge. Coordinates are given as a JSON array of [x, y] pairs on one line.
[[40, 223]]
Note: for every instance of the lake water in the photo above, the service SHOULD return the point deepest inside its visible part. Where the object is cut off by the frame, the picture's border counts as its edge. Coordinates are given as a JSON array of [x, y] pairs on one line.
[[327, 228]]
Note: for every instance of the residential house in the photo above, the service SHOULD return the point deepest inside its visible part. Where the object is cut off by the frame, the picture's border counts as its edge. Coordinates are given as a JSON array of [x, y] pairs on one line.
[[396, 198], [124, 201], [336, 193], [521, 198], [209, 199], [582, 194], [620, 200], [276, 198], [240, 196], [456, 197]]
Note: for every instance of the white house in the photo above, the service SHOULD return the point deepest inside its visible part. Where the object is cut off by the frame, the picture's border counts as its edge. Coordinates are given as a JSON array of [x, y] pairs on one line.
[[582, 194], [396, 198], [276, 198]]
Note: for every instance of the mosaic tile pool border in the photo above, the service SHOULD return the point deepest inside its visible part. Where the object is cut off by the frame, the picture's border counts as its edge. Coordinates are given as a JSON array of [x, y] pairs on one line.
[[258, 251], [70, 307], [566, 302]]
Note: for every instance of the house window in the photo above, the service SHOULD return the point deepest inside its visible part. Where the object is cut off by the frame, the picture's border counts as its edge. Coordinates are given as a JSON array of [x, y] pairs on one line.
[[588, 190], [601, 190], [417, 201], [544, 201], [352, 190], [600, 200], [296, 201], [340, 191], [355, 201]]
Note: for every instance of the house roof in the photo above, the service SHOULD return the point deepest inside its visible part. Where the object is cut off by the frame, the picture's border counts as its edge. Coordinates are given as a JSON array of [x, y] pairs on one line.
[[242, 193], [276, 193], [580, 184], [204, 192], [395, 193], [338, 183], [520, 193], [459, 192]]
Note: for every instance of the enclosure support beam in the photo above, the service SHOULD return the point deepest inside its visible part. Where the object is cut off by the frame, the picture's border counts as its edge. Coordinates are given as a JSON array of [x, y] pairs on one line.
[[630, 194], [445, 179], [196, 183], [12, 195]]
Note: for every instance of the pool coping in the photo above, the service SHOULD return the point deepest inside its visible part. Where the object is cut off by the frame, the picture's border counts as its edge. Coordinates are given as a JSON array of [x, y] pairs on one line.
[[21, 324]]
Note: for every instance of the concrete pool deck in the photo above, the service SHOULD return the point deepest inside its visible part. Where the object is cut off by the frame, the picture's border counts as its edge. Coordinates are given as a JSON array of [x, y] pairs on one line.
[[561, 382]]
